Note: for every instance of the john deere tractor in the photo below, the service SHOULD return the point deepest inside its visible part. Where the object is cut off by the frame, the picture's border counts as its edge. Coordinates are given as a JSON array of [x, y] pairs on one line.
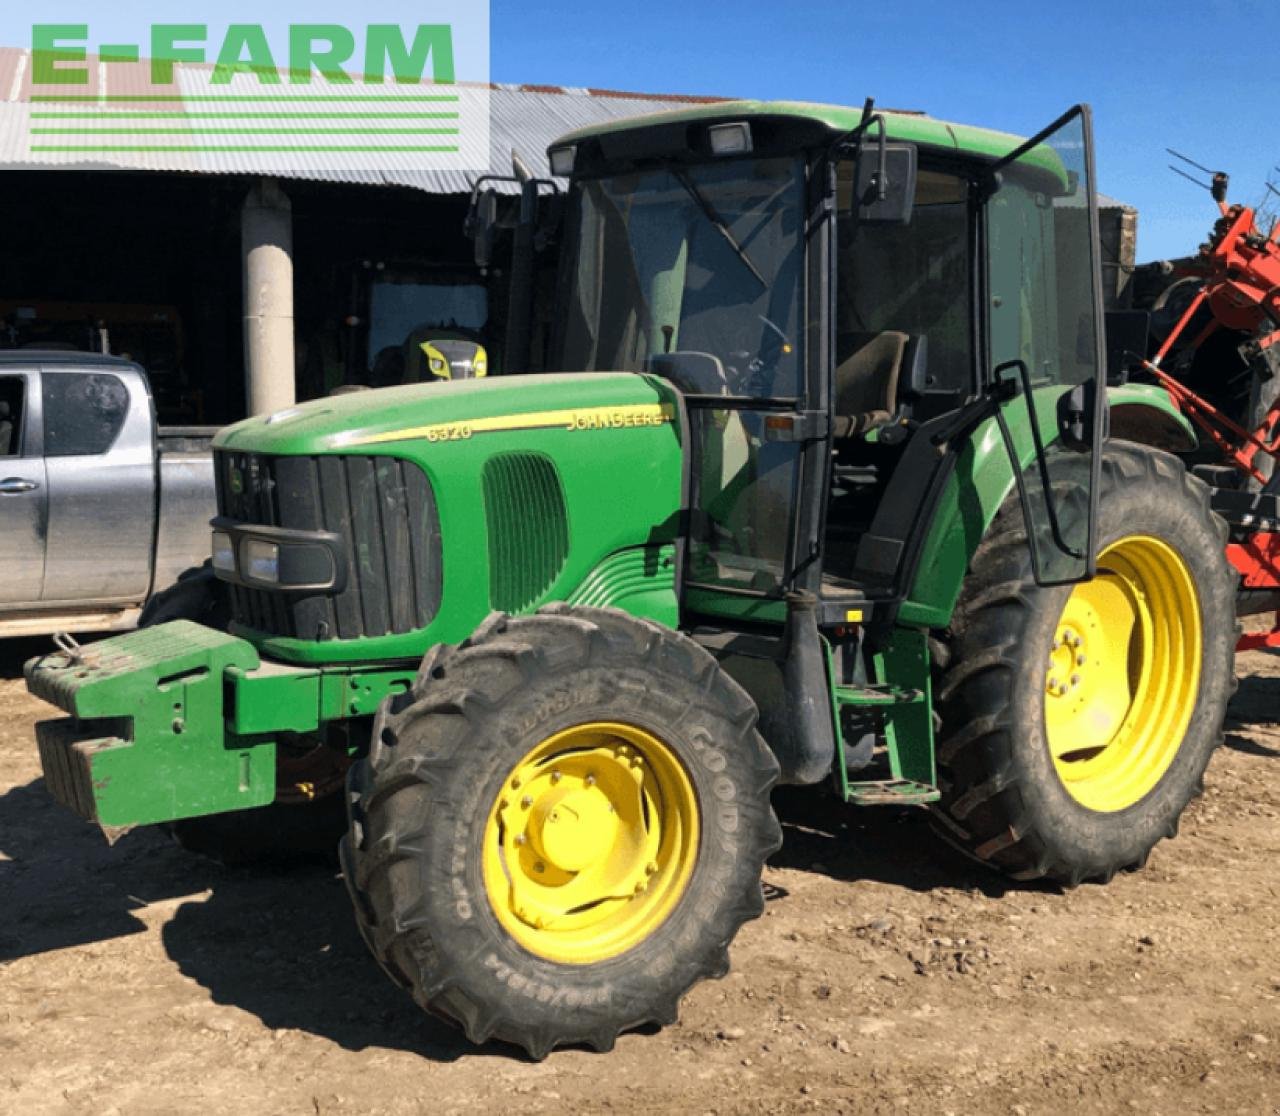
[[836, 492]]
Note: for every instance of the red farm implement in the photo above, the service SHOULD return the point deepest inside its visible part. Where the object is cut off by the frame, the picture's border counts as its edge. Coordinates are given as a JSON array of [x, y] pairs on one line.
[[1236, 276]]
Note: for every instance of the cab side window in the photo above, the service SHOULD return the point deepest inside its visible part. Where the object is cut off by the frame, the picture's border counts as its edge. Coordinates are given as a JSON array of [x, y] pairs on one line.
[[11, 388], [83, 412], [904, 285]]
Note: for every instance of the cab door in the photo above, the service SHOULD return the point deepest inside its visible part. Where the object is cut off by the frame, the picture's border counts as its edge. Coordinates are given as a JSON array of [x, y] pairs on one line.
[[24, 494], [1045, 338]]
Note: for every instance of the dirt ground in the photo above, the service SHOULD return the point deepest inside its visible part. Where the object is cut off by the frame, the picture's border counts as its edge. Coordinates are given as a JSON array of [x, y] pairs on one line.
[[888, 973]]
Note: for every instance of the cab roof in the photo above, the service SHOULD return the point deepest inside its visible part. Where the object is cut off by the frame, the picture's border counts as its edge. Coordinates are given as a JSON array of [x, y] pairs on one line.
[[835, 120]]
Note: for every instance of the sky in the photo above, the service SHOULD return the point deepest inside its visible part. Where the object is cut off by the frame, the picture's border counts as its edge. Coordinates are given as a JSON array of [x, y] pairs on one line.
[[1202, 77]]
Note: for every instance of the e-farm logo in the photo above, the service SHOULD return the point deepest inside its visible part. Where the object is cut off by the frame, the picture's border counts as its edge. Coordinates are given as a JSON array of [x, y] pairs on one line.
[[320, 89]]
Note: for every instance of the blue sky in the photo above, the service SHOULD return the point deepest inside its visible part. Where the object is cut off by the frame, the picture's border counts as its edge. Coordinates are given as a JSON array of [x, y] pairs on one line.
[[1197, 76]]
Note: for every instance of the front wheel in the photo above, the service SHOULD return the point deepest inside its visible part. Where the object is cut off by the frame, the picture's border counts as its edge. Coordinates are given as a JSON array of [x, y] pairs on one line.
[[1077, 722], [561, 828]]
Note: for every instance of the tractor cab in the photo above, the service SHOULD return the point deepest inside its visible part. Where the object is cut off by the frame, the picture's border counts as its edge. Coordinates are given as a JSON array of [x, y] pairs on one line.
[[842, 300], [839, 299]]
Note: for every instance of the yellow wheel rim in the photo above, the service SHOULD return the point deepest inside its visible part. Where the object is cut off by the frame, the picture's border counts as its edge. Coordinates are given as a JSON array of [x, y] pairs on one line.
[[1124, 671], [591, 843]]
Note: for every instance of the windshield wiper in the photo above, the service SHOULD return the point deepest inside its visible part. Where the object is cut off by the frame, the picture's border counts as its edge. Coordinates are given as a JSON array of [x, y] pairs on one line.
[[717, 222]]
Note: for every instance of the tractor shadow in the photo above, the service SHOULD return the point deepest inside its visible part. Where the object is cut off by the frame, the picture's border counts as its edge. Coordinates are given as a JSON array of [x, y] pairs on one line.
[[896, 846], [1256, 706], [278, 943]]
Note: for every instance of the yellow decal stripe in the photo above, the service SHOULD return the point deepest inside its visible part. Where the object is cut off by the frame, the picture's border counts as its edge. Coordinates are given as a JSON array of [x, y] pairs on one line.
[[578, 418]]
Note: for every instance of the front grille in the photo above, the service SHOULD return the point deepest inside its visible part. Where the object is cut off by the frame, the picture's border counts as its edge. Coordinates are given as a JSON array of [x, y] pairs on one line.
[[385, 513]]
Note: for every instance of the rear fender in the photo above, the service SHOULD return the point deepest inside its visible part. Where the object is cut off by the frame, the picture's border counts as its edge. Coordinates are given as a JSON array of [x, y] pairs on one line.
[[983, 478]]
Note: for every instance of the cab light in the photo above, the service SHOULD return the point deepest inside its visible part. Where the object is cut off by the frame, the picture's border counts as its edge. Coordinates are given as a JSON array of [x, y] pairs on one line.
[[224, 552], [562, 159], [730, 139], [260, 560]]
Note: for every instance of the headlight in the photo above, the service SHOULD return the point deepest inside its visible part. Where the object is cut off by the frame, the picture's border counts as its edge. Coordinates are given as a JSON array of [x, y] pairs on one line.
[[224, 553], [259, 560]]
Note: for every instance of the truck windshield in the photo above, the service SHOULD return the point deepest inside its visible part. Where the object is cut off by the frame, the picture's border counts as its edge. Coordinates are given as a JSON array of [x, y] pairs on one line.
[[701, 263]]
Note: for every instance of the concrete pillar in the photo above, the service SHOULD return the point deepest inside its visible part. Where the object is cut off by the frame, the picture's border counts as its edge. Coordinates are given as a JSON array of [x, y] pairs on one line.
[[266, 241]]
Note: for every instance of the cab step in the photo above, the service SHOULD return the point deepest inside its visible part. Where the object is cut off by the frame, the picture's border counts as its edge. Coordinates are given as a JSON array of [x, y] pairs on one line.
[[891, 792], [873, 694]]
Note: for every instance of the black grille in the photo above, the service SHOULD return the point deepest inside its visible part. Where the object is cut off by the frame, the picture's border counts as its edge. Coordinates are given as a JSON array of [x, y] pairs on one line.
[[384, 511]]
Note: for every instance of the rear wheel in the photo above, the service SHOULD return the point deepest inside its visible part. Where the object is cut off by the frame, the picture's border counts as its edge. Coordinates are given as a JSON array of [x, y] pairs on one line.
[[561, 828], [1077, 722]]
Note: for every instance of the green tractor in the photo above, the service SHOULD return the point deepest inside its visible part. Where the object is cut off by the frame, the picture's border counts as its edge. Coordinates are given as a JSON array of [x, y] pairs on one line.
[[838, 493]]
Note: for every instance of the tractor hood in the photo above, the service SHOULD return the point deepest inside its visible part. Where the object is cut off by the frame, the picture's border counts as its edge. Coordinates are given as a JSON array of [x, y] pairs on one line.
[[440, 503], [456, 411]]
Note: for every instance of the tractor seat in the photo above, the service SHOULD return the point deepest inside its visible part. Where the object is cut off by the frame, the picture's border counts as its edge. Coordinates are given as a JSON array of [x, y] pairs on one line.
[[866, 388]]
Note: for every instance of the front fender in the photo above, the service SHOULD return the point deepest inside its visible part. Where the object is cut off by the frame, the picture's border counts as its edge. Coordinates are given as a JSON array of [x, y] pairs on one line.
[[983, 478]]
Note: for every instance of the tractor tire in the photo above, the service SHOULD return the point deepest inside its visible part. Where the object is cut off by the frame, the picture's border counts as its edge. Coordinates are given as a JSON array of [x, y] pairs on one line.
[[294, 830], [197, 595], [1076, 722], [561, 828]]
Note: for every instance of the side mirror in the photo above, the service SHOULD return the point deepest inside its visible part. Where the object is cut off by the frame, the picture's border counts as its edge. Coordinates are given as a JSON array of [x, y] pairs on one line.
[[482, 224], [882, 184]]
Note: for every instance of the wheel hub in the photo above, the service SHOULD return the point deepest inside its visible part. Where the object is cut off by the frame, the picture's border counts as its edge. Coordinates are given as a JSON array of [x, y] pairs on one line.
[[568, 827], [591, 842]]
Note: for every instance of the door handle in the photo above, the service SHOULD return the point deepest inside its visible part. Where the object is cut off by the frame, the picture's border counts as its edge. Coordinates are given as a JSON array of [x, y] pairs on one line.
[[11, 486]]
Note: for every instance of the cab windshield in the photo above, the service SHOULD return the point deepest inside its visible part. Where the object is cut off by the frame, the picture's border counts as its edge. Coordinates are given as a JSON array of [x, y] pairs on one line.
[[692, 272]]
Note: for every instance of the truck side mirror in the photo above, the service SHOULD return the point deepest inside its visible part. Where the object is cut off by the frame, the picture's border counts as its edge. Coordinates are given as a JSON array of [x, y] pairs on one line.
[[881, 188]]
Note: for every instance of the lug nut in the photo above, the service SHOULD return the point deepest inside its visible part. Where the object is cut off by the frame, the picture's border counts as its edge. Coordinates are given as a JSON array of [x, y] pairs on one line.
[[556, 777], [526, 801], [521, 838], [1080, 660], [1053, 685], [515, 782], [1075, 680], [590, 780]]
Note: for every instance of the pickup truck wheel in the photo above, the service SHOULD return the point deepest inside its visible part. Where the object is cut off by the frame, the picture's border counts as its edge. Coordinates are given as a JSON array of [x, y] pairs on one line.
[[1077, 721], [561, 828], [308, 816]]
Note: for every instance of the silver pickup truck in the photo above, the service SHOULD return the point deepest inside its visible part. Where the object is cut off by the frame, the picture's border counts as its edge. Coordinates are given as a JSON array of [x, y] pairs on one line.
[[99, 509]]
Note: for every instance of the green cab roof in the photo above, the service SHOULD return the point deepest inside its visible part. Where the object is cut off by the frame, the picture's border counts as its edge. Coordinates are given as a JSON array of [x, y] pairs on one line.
[[905, 127]]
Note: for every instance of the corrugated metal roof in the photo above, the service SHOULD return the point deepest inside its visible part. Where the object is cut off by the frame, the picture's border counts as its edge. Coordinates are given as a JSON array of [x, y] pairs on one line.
[[525, 118]]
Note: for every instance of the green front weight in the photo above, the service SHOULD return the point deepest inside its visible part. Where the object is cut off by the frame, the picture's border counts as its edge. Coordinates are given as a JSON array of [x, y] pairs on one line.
[[147, 740], [178, 721]]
